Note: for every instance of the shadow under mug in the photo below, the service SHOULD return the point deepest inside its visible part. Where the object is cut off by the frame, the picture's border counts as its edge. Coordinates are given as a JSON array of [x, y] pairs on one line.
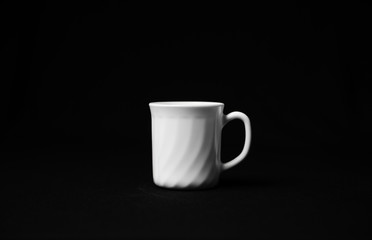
[[186, 143]]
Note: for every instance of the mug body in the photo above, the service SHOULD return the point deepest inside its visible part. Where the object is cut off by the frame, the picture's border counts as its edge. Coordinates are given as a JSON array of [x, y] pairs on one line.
[[186, 139]]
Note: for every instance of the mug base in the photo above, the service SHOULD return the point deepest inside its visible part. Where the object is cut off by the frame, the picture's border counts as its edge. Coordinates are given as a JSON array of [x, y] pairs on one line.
[[188, 187]]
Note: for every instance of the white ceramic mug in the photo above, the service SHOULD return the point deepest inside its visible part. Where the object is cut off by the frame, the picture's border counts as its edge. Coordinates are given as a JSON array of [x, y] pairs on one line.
[[186, 143]]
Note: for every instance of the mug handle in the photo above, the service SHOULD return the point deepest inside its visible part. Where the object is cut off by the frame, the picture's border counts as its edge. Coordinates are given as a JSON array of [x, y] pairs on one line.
[[247, 124]]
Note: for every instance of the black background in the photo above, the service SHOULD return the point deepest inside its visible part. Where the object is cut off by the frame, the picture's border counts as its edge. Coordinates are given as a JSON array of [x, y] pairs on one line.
[[76, 80]]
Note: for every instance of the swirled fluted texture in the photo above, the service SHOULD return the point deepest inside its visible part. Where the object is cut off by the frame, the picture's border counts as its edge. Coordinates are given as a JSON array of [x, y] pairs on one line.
[[186, 151]]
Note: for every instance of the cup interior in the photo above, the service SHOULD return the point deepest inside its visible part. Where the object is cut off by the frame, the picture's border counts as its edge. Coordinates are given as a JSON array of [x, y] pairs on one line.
[[186, 104]]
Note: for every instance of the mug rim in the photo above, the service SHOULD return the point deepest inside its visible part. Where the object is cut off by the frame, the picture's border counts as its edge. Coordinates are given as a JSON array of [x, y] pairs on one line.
[[198, 104]]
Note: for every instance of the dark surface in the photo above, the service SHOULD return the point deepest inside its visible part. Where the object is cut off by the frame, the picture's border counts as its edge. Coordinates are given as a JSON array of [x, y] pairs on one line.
[[76, 80], [107, 194]]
